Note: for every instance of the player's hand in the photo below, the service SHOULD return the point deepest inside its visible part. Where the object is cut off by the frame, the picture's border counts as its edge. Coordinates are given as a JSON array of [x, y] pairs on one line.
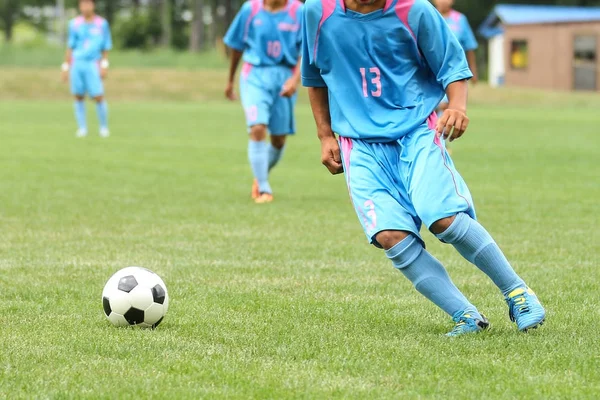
[[64, 76], [289, 88], [330, 155], [103, 73], [230, 93], [453, 124]]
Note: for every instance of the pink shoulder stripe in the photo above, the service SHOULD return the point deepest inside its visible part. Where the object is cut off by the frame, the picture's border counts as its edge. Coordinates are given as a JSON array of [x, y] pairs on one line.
[[328, 9], [79, 20], [388, 4], [403, 8], [255, 5], [294, 9], [455, 15], [98, 20]]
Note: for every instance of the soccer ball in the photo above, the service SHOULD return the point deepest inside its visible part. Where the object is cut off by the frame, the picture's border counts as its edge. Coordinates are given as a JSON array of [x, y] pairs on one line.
[[135, 296]]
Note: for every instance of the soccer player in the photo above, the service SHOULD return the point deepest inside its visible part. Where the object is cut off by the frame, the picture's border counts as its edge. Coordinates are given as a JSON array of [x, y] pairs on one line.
[[267, 34], [86, 64], [459, 25], [376, 71]]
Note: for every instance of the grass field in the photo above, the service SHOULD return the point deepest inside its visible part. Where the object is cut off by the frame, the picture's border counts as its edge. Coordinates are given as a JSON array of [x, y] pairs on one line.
[[285, 300]]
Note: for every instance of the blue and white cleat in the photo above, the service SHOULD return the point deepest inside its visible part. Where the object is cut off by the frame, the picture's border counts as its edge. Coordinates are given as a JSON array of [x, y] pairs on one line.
[[524, 309], [466, 324]]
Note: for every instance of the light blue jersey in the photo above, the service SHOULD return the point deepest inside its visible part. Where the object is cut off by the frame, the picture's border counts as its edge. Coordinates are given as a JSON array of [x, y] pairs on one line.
[[459, 24], [89, 39], [386, 71], [267, 38]]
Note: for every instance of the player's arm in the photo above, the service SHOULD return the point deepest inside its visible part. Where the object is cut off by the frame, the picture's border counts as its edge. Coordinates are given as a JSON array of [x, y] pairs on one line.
[[454, 124], [472, 60], [107, 46], [235, 39], [234, 63], [470, 46], [104, 64], [446, 58], [330, 148], [318, 94], [66, 65], [290, 87]]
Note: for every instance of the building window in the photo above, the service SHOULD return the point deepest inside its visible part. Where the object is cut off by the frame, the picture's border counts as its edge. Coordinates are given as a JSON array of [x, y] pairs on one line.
[[585, 60], [519, 54]]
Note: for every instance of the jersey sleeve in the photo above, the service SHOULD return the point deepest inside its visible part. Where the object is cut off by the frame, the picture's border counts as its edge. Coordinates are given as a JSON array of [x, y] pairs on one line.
[[107, 44], [235, 37], [469, 43], [440, 47], [311, 74], [299, 37], [72, 43]]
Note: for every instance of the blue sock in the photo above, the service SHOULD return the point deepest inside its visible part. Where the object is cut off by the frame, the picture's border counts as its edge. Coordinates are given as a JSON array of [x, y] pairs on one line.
[[258, 154], [475, 244], [80, 115], [429, 277], [102, 111], [274, 155]]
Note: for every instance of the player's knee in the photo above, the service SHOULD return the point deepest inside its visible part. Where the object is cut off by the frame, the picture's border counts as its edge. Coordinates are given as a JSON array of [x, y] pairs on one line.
[[278, 141], [405, 252], [258, 133], [79, 98], [441, 225], [388, 239], [99, 99]]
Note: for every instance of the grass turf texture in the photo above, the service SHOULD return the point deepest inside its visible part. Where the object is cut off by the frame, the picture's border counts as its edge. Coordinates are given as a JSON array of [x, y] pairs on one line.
[[285, 300]]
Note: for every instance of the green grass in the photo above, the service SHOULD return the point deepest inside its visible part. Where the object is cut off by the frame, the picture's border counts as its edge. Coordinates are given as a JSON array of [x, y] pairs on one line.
[[53, 56], [285, 300]]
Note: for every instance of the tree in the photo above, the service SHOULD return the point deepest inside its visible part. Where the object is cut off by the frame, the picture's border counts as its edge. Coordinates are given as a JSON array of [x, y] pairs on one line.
[[197, 32], [165, 23], [8, 10]]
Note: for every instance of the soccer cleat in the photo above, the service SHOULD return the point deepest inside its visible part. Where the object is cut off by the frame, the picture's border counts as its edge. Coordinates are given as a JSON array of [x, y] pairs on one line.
[[264, 198], [81, 133], [524, 309], [104, 132], [255, 190], [466, 324]]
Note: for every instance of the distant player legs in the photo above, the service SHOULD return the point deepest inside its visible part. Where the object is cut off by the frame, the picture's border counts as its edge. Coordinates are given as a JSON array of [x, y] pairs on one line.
[[258, 155], [102, 112], [80, 116]]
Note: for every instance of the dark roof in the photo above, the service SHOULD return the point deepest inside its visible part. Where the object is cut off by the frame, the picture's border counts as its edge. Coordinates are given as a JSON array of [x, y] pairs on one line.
[[518, 14]]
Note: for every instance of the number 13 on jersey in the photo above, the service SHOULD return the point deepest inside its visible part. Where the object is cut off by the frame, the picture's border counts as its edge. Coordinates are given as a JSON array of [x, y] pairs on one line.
[[374, 76]]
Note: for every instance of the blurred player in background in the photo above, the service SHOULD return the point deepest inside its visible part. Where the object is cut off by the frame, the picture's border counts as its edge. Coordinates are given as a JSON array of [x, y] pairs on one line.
[[86, 64], [376, 71], [267, 34], [459, 25]]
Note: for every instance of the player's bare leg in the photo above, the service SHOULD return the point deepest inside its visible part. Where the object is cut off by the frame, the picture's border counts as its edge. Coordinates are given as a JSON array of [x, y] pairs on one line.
[[80, 116], [102, 111], [258, 154], [276, 149]]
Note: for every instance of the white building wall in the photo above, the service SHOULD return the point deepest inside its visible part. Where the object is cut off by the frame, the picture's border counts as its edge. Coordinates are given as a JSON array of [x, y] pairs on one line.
[[496, 61]]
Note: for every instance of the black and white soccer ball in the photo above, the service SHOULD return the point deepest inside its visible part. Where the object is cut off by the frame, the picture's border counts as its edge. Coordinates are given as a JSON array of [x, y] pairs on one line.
[[135, 296]]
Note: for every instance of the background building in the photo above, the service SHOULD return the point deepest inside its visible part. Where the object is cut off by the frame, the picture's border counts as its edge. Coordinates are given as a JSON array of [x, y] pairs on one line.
[[546, 47]]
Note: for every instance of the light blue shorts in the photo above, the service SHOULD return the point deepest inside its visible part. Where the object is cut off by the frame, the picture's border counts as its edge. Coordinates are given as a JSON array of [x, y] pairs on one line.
[[260, 89], [85, 79], [402, 184]]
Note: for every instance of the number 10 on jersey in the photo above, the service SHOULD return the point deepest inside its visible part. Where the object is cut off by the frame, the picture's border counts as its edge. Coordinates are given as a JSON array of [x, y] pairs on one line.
[[374, 78]]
